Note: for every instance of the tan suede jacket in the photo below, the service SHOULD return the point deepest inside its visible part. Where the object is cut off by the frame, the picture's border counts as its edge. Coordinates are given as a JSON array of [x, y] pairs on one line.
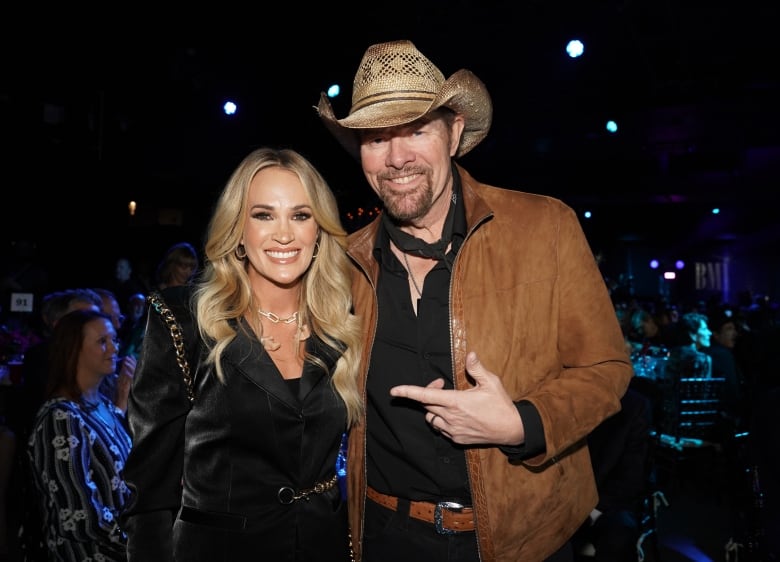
[[528, 297]]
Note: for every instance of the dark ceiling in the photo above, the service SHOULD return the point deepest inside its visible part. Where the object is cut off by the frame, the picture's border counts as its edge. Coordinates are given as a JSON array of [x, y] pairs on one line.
[[89, 124]]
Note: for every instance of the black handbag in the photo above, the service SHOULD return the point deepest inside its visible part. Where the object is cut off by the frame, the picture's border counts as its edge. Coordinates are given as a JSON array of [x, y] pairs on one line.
[[177, 335]]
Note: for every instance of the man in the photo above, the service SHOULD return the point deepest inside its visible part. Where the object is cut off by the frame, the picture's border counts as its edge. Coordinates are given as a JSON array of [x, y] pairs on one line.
[[724, 365], [494, 346]]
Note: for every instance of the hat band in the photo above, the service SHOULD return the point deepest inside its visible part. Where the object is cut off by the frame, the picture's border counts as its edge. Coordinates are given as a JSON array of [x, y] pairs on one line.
[[409, 95]]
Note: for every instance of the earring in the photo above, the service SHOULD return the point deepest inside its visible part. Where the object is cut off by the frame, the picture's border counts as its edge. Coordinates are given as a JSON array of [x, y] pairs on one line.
[[316, 250], [240, 252]]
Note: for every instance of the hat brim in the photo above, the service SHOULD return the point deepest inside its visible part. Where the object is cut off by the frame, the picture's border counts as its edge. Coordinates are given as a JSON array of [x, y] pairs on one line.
[[462, 92]]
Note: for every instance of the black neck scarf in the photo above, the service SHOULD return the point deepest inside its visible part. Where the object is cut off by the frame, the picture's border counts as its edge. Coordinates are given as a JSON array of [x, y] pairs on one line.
[[417, 247]]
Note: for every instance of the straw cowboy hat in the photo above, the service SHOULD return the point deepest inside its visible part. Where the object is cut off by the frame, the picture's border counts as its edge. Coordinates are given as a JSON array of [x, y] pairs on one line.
[[396, 84]]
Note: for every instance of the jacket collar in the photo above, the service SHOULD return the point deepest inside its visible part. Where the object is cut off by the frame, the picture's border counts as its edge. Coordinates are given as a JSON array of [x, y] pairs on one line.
[[247, 356]]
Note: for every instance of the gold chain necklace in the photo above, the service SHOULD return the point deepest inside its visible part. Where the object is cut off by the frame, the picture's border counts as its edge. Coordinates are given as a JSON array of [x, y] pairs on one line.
[[275, 318], [409, 269]]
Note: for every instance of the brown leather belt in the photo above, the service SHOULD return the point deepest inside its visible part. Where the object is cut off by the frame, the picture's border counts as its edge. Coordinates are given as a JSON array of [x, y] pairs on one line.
[[447, 517]]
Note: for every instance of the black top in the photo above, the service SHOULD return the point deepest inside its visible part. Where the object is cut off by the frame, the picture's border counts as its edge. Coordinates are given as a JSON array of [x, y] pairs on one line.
[[406, 457], [231, 450]]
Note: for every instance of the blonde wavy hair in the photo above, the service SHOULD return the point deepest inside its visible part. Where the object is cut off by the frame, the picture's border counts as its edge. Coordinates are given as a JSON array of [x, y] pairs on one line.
[[223, 293]]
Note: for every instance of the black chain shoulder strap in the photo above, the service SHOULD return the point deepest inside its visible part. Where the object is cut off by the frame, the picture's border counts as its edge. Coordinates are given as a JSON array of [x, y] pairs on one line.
[[157, 302]]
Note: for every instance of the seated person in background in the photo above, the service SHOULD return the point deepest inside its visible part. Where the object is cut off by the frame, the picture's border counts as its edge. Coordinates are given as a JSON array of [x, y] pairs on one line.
[[79, 444], [117, 386], [687, 359], [131, 334], [644, 333], [694, 409], [724, 365], [177, 267], [35, 369], [619, 451]]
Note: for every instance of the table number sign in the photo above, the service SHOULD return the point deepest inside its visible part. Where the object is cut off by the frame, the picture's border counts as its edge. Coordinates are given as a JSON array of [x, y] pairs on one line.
[[21, 302]]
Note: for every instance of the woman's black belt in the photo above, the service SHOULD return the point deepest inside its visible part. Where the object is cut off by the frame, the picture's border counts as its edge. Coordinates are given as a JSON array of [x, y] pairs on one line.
[[234, 521]]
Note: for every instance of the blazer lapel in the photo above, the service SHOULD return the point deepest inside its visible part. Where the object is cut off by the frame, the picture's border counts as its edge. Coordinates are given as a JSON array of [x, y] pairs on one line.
[[246, 354], [313, 375]]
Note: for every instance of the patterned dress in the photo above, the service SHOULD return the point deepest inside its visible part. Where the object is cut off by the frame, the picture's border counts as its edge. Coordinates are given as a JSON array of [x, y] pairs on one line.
[[77, 457]]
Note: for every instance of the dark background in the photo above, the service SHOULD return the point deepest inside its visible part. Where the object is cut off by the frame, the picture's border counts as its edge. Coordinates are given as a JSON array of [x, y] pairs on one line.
[[94, 113]]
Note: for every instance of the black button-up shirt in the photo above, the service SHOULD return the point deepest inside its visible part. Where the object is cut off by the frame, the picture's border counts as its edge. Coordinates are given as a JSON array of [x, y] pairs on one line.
[[406, 457]]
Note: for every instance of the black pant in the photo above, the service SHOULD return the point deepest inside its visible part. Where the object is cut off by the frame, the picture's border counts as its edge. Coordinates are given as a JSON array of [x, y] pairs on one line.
[[393, 536]]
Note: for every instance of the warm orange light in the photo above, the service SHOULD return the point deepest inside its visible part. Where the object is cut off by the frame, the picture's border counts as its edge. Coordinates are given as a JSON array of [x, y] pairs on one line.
[[131, 206]]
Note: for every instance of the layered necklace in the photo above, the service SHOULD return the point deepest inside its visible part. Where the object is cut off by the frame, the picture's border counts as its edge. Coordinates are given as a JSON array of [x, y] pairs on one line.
[[269, 342], [276, 319]]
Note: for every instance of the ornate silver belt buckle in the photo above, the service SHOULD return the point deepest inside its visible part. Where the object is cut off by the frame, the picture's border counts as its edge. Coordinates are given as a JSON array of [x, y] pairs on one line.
[[437, 516]]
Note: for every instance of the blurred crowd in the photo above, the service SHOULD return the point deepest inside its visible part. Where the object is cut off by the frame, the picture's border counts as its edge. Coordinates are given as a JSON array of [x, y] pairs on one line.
[[68, 364], [735, 341]]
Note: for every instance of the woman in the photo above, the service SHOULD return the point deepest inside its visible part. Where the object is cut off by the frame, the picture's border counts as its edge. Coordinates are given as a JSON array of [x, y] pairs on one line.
[[273, 349], [79, 444], [178, 266]]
